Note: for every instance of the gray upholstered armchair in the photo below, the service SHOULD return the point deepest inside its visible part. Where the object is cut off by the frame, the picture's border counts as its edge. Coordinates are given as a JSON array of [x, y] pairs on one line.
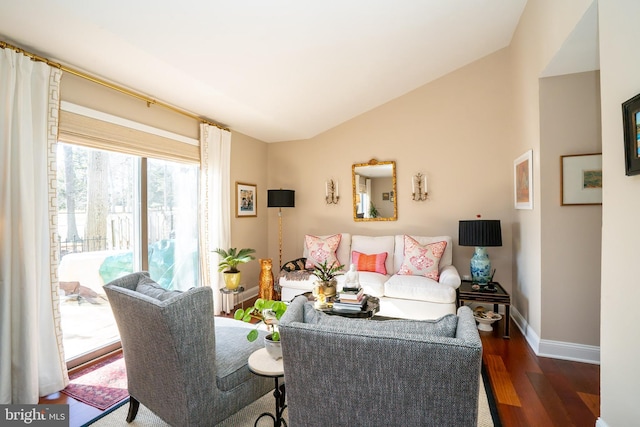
[[356, 372], [185, 367]]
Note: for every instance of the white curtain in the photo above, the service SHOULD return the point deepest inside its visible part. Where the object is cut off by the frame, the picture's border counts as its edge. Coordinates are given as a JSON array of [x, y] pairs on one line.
[[31, 356], [215, 202]]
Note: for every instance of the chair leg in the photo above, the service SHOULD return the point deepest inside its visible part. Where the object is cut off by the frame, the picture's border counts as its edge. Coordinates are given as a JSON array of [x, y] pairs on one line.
[[133, 409]]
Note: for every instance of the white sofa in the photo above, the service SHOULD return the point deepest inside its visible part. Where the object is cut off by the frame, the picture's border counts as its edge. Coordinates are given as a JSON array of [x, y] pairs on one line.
[[401, 296]]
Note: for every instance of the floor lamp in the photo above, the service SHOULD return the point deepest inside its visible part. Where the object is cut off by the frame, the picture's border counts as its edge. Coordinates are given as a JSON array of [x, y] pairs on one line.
[[281, 199]]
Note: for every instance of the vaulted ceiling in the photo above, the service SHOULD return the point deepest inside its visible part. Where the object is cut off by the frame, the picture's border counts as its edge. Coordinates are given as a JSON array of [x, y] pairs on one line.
[[274, 70]]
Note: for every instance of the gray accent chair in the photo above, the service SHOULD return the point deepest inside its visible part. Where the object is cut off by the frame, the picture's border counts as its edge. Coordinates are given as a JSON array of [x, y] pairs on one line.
[[357, 372], [185, 366]]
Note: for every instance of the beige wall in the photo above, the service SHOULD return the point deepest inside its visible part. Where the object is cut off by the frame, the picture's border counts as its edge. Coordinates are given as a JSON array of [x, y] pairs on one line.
[[571, 235], [456, 130], [543, 27], [249, 166], [620, 348]]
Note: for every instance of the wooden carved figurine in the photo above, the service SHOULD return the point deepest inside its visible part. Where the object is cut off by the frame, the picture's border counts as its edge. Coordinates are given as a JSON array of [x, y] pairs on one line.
[[267, 290]]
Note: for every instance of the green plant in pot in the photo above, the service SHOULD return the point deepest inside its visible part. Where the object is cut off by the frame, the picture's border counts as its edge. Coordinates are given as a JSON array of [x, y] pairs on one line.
[[268, 312], [326, 284], [229, 264]]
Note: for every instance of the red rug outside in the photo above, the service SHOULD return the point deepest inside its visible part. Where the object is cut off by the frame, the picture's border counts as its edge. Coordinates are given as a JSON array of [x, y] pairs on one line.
[[101, 385]]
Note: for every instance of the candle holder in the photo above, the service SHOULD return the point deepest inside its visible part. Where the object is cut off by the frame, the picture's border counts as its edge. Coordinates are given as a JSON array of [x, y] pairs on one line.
[[419, 187], [331, 192]]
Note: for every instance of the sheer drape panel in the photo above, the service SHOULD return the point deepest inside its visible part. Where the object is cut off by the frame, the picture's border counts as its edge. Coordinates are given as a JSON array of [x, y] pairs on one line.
[[215, 221], [31, 357]]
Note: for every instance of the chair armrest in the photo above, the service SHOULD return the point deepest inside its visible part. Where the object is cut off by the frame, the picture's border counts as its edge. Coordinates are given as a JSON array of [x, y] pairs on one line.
[[449, 276]]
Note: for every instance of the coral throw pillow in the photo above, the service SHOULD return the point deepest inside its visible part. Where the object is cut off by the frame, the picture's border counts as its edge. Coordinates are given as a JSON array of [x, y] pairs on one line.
[[321, 250], [364, 262], [422, 260]]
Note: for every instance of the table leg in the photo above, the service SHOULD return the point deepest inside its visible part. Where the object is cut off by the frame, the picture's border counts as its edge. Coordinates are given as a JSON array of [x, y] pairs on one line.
[[506, 320], [279, 393]]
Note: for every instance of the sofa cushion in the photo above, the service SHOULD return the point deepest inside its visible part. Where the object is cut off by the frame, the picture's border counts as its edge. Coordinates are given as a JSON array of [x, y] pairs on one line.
[[419, 288], [372, 283], [397, 328], [373, 262], [447, 257], [152, 289], [321, 249], [375, 245], [422, 260], [231, 358]]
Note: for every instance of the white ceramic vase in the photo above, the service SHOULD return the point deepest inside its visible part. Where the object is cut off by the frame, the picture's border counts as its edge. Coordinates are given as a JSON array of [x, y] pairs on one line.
[[274, 348]]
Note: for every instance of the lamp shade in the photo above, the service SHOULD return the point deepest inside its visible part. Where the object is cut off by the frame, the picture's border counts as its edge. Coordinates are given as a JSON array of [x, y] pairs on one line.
[[281, 198], [480, 232]]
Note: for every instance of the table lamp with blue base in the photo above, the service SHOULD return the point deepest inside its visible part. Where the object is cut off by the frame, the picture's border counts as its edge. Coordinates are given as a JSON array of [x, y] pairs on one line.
[[480, 233]]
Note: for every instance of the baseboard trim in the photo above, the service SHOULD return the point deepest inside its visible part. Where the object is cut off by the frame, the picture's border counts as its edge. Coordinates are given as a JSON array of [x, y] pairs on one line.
[[600, 423], [555, 349]]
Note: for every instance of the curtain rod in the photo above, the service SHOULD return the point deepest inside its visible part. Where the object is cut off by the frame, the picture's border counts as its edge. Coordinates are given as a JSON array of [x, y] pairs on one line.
[[149, 101]]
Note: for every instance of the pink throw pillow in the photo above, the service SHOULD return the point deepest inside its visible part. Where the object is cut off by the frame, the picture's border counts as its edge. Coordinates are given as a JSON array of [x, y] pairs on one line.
[[364, 262], [422, 260], [320, 250]]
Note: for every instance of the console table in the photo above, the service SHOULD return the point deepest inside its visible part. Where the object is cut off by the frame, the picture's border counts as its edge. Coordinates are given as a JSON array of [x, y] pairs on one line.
[[466, 293]]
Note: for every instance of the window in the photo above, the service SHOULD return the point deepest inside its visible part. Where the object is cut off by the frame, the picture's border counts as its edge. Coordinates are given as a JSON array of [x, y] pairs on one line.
[[119, 213]]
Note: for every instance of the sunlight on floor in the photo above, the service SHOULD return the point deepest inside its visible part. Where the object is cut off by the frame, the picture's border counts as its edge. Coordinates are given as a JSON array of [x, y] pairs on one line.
[[86, 326]]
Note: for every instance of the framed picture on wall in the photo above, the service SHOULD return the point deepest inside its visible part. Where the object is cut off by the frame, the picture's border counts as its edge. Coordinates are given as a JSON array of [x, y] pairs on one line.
[[631, 123], [523, 181], [581, 179], [246, 200]]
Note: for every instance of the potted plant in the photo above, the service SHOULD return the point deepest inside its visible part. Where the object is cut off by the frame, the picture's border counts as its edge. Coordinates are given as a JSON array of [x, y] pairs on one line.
[[268, 312], [326, 283], [229, 264]]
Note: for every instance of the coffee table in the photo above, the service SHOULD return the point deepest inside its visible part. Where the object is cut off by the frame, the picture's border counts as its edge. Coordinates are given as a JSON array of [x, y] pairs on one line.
[[370, 309], [260, 363]]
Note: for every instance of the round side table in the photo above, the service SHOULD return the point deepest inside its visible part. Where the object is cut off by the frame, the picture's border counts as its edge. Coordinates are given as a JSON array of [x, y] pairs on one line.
[[260, 363], [226, 293]]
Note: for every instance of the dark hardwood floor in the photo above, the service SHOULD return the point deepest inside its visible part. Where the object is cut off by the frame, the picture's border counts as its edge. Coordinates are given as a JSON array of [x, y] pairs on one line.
[[529, 390], [538, 391]]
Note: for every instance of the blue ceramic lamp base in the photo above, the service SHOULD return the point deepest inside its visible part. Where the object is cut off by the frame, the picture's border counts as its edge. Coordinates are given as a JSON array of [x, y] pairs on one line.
[[481, 266]]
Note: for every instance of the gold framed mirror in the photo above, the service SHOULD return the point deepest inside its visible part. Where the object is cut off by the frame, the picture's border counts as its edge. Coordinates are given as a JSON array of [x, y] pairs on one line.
[[374, 191]]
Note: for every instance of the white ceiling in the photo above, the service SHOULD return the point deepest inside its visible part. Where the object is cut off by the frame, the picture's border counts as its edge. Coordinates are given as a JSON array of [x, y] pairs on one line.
[[275, 70]]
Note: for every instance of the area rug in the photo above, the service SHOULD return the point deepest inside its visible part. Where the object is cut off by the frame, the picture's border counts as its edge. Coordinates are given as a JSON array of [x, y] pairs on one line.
[[101, 385], [248, 415]]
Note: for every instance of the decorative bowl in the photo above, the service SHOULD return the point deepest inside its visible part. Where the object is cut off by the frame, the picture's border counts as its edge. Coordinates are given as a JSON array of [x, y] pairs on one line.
[[485, 319]]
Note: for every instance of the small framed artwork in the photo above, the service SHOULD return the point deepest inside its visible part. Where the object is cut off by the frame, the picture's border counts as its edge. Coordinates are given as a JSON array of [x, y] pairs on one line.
[[631, 123], [523, 181], [385, 196], [246, 200], [581, 178]]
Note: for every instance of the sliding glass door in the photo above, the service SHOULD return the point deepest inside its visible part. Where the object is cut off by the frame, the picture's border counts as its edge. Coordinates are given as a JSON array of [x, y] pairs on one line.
[[117, 214]]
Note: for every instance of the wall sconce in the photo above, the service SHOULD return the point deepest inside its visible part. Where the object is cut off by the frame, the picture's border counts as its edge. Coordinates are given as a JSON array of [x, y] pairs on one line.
[[331, 192], [419, 187]]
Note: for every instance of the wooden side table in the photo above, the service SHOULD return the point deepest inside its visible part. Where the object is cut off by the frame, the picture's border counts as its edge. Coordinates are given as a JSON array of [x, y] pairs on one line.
[[260, 363], [226, 293], [466, 293]]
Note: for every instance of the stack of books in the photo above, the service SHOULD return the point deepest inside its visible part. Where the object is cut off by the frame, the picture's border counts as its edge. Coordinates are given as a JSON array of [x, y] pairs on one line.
[[350, 299]]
